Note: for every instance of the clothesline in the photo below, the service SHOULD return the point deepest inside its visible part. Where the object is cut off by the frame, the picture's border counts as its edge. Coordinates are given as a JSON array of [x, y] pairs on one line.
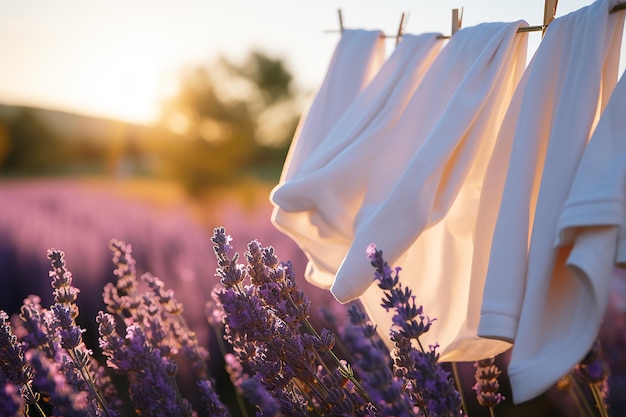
[[618, 7], [456, 22]]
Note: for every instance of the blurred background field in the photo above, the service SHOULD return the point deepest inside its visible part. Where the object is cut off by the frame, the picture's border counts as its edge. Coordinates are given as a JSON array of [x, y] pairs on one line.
[[73, 182]]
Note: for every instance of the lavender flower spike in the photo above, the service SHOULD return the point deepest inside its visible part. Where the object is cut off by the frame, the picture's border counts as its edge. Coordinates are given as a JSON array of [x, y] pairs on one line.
[[400, 299], [78, 363], [13, 365], [266, 322], [125, 266], [487, 384], [424, 380]]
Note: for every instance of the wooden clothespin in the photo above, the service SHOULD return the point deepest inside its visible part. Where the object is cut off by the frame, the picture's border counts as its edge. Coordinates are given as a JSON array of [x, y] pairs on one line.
[[457, 20], [340, 20], [549, 13], [618, 7], [400, 28]]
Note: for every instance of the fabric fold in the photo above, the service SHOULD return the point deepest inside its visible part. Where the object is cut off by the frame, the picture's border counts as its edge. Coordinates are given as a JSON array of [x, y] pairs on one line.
[[592, 221], [597, 195], [529, 291], [373, 112], [414, 192], [356, 59]]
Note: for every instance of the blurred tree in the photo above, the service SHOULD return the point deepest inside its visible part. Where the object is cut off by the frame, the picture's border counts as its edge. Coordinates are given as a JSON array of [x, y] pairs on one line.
[[230, 120], [32, 148], [5, 144], [270, 76]]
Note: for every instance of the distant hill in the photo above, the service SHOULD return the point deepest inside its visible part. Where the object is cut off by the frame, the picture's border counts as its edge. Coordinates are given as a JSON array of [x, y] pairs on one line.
[[72, 126], [38, 141]]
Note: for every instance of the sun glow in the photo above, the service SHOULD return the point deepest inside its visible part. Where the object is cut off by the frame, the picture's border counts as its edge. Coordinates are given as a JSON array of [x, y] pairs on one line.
[[90, 65], [125, 84], [118, 59]]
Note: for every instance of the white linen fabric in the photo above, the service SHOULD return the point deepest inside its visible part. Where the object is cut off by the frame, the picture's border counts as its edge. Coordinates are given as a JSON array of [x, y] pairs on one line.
[[405, 171], [373, 112], [530, 296], [597, 199], [356, 59], [423, 215]]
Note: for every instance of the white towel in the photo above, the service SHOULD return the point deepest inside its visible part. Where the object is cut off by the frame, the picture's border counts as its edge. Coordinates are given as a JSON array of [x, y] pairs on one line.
[[528, 285], [373, 112], [590, 225], [597, 197], [414, 190], [357, 58]]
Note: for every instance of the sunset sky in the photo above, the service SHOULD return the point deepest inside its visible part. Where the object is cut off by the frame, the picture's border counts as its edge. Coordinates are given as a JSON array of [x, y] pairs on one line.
[[119, 58]]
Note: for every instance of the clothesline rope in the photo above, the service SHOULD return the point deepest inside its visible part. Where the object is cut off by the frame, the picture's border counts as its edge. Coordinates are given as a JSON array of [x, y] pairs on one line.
[[617, 8]]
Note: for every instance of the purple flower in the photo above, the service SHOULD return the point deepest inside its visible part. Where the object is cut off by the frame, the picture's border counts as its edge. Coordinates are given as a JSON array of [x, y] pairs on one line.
[[70, 334], [384, 275], [164, 296], [64, 292], [76, 363], [13, 365], [32, 317], [263, 322], [125, 266], [374, 366], [212, 402], [424, 380], [257, 395], [111, 344], [122, 297], [229, 271], [397, 298], [151, 375], [114, 303], [11, 401], [434, 384], [593, 368], [169, 328], [487, 385]]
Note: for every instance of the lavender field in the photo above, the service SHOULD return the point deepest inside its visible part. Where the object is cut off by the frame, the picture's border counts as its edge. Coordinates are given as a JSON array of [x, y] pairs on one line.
[[171, 239]]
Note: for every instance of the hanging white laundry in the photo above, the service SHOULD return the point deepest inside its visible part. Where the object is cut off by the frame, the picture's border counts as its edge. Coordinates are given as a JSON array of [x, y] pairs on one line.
[[596, 203], [589, 225], [403, 173], [528, 285], [356, 60], [373, 110]]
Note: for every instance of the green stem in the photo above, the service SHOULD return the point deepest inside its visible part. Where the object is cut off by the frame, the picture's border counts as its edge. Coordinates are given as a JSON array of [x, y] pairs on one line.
[[459, 387], [577, 403], [297, 387], [86, 375], [204, 372], [595, 389], [238, 396], [347, 373], [581, 395], [420, 345], [179, 397], [36, 404]]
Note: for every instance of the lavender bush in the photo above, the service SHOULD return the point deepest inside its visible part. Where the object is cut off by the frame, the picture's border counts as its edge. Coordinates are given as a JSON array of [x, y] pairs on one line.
[[169, 238], [279, 363]]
